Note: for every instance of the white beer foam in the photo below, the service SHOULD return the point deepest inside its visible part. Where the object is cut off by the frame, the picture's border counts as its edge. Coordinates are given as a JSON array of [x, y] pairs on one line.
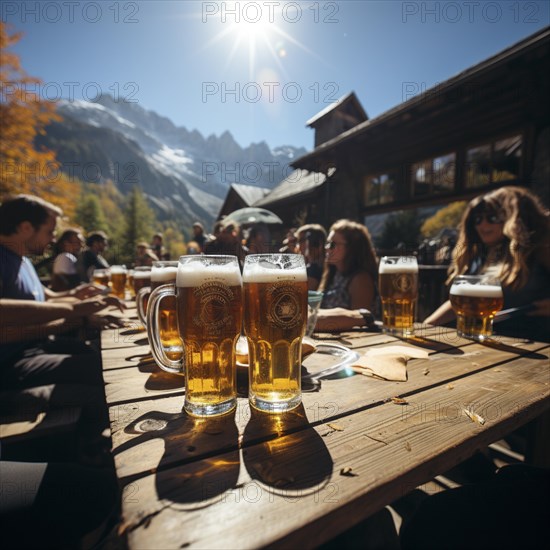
[[142, 274], [399, 267], [195, 274], [117, 269], [160, 274], [477, 291], [256, 273]]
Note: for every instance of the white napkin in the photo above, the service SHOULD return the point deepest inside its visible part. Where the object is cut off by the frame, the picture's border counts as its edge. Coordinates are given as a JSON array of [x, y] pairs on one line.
[[388, 363]]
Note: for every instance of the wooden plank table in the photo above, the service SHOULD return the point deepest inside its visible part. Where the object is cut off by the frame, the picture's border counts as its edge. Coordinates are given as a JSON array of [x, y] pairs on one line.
[[250, 479]]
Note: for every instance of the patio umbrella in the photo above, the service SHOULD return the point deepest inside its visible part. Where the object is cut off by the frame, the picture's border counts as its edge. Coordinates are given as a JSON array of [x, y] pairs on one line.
[[251, 215]]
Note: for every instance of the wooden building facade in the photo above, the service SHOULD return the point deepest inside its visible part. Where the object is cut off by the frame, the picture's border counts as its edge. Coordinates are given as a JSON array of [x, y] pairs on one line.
[[486, 127]]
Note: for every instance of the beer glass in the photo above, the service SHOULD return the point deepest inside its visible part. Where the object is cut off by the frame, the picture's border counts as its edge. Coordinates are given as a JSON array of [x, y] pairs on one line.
[[162, 317], [275, 315], [209, 314], [130, 283], [475, 300], [398, 287], [118, 280], [142, 288], [101, 277]]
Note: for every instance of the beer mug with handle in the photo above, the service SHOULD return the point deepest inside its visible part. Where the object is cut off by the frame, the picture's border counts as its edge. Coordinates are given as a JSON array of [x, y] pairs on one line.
[[142, 290], [164, 318], [275, 315], [208, 295], [398, 287], [475, 300]]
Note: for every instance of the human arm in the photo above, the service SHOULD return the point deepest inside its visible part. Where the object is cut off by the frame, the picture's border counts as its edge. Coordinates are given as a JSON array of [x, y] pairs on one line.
[[24, 320], [442, 315], [361, 291], [542, 308], [338, 319], [81, 292]]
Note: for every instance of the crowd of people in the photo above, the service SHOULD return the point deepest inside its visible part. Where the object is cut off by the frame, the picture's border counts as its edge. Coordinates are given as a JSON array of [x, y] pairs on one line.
[[48, 365]]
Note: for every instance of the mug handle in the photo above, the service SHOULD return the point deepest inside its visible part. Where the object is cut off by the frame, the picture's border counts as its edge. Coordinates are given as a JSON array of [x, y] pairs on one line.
[[142, 314], [159, 355]]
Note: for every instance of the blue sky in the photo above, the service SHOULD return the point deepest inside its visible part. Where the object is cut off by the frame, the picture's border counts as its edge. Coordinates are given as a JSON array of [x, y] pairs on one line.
[[263, 76]]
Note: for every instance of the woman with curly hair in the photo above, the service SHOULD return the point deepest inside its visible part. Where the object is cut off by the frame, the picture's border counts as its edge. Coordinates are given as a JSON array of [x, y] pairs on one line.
[[351, 269], [507, 232]]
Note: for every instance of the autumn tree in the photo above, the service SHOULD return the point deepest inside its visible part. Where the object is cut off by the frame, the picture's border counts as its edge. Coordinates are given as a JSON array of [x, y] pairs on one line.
[[448, 217], [23, 116]]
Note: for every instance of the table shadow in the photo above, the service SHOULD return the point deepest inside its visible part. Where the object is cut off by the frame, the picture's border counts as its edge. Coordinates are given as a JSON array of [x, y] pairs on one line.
[[293, 461], [200, 460], [494, 343], [432, 345], [162, 380]]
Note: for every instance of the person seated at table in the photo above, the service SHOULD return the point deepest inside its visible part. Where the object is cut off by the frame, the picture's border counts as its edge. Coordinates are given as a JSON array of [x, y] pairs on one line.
[[92, 257], [227, 241], [65, 269], [350, 273], [144, 255], [311, 243], [259, 239], [31, 313], [507, 232]]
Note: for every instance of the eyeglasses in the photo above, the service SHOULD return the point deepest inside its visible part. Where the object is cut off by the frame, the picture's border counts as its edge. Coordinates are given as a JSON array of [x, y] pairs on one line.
[[331, 245], [493, 219]]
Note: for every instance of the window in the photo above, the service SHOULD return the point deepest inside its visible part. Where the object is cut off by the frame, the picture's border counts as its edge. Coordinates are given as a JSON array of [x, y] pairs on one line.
[[379, 189], [498, 161], [435, 175]]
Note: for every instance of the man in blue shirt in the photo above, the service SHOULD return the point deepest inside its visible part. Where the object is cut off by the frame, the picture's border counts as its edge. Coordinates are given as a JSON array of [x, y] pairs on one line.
[[31, 313]]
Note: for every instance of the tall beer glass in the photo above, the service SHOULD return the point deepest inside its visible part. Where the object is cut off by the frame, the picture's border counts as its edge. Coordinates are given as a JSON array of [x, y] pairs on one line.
[[475, 300], [209, 313], [163, 318], [275, 315], [398, 287], [118, 280], [142, 288], [101, 277]]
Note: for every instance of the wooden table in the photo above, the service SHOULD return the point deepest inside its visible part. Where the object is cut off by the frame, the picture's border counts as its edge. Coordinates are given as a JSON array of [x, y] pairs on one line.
[[249, 480]]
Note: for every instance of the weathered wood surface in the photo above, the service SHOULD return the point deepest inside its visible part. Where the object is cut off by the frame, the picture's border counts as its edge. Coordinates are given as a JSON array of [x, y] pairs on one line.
[[250, 479]]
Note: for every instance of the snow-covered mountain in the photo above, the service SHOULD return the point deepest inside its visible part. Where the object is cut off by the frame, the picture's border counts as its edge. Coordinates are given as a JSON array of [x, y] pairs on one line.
[[181, 172]]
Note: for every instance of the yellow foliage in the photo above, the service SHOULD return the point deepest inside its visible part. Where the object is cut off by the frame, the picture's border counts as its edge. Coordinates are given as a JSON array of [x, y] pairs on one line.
[[23, 116], [449, 216]]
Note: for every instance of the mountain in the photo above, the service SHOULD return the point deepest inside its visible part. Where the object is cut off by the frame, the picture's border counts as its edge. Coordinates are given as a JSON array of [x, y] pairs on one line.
[[184, 175]]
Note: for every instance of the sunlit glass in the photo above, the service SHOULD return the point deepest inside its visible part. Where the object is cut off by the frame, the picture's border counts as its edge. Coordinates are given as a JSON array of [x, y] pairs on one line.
[[493, 219], [331, 245]]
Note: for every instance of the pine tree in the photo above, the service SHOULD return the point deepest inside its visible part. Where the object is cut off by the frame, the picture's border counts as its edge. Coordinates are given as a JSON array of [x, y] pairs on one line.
[[139, 221], [89, 213]]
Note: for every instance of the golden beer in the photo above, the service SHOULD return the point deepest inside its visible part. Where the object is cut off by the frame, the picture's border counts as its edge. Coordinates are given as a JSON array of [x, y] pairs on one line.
[[118, 281], [475, 300], [161, 274], [101, 277], [398, 287], [130, 283], [275, 316], [209, 313]]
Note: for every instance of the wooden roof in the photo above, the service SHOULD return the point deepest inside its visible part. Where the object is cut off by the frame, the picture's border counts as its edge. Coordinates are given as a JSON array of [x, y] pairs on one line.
[[321, 157], [349, 102], [299, 182]]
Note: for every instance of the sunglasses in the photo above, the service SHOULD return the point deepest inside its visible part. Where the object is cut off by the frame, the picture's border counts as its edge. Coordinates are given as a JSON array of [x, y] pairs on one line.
[[493, 219], [331, 245]]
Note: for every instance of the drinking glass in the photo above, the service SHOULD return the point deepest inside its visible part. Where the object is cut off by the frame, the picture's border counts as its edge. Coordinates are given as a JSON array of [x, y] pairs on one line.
[[398, 287], [475, 300], [275, 315], [208, 294]]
